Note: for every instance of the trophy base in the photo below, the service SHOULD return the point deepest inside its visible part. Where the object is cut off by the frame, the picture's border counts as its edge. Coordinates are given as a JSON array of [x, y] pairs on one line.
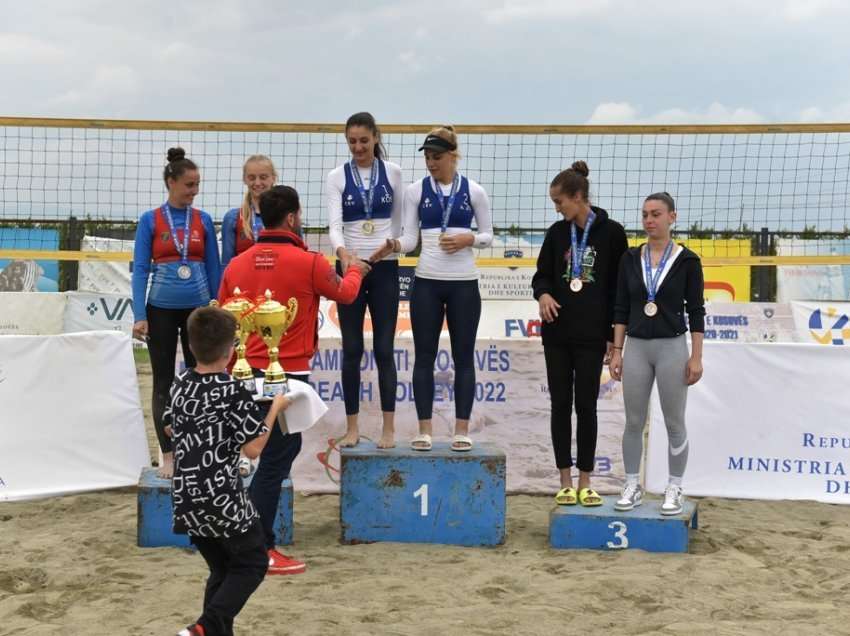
[[250, 384], [271, 389]]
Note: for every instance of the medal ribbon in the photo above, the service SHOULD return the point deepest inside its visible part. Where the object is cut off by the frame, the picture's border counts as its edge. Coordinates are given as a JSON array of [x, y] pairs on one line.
[[367, 199], [447, 208], [182, 251], [652, 281], [577, 252]]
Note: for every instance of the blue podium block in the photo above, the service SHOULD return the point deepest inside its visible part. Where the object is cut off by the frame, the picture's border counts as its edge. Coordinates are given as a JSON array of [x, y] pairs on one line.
[[154, 513], [603, 528], [439, 496]]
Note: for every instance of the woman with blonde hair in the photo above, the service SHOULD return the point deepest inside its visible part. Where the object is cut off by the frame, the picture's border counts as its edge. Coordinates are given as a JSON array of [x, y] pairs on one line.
[[241, 226], [442, 209]]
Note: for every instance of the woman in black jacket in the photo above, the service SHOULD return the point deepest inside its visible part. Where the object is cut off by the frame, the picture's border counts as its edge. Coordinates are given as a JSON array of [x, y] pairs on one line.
[[657, 283], [575, 286]]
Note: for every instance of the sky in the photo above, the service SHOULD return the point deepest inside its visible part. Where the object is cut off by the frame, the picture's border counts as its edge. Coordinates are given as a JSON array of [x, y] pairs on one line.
[[459, 61]]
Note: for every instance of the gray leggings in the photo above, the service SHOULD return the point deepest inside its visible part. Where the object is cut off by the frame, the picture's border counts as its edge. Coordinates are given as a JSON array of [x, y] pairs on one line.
[[662, 360]]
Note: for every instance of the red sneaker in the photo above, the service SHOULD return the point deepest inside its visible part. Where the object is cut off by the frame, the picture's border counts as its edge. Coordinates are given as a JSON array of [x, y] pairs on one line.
[[282, 564]]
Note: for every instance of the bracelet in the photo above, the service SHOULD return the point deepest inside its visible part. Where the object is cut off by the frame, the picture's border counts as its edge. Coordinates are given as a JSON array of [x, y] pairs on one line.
[[618, 348]]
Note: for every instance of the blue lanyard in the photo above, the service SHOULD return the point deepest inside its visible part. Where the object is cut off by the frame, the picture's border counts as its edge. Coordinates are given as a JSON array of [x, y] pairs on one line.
[[256, 223], [367, 200], [577, 253], [447, 208], [652, 281], [182, 251]]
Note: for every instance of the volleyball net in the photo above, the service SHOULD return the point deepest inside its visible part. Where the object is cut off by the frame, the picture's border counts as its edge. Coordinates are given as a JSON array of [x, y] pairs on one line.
[[750, 183]]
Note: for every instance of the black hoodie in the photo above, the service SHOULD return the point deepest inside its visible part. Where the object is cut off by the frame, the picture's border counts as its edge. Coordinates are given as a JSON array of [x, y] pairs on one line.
[[682, 287], [587, 315]]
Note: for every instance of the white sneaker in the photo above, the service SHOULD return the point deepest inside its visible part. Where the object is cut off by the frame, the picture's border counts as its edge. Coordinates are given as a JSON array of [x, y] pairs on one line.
[[672, 500], [632, 496]]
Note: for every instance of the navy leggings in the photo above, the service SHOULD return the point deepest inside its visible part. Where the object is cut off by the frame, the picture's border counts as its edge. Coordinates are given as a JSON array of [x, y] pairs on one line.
[[164, 328], [459, 303], [379, 291]]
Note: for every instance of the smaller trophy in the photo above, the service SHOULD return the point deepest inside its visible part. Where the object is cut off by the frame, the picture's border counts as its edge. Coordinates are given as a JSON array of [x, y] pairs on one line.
[[242, 309], [271, 320]]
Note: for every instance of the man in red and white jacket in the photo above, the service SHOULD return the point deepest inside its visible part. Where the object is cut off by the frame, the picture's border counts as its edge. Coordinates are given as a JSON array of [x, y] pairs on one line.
[[280, 262]]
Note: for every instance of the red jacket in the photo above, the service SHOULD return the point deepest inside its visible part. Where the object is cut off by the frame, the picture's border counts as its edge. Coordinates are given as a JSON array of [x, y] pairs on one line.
[[280, 262]]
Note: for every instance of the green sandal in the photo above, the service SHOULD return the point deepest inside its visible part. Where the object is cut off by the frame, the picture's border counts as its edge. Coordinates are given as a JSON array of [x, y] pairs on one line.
[[589, 498], [566, 497]]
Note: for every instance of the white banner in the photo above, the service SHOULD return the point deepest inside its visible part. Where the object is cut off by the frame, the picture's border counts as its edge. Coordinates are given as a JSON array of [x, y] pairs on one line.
[[765, 422], [28, 314], [822, 323], [70, 415], [812, 282], [89, 311], [511, 410], [104, 277], [749, 322]]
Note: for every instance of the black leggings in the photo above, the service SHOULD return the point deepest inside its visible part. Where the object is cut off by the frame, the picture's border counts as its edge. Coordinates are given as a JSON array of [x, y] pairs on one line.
[[163, 328], [459, 302], [380, 292], [568, 365]]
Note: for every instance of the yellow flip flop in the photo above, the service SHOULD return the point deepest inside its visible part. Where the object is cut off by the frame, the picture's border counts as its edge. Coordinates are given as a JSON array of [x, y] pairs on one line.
[[589, 498], [566, 497]]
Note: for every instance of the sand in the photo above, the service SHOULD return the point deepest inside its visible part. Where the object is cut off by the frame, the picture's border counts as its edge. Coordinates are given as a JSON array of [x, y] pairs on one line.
[[70, 565]]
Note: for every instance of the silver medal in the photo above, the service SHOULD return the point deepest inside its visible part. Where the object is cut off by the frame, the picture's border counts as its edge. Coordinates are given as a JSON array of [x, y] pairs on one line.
[[184, 272], [576, 284]]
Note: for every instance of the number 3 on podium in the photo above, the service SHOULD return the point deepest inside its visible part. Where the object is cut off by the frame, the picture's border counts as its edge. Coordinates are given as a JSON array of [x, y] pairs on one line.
[[620, 533], [423, 504]]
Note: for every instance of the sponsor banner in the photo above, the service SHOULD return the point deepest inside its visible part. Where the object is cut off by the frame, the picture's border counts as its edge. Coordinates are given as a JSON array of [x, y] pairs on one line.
[[70, 415], [812, 282], [749, 322], [822, 323], [504, 283], [109, 278], [511, 410], [24, 275], [88, 311], [27, 314], [784, 435]]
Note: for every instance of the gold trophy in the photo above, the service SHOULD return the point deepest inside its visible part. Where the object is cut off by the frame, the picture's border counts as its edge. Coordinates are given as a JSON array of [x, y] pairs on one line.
[[271, 320], [241, 309]]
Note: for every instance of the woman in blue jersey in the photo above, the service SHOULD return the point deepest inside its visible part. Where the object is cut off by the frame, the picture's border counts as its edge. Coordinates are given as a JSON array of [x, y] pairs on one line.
[[442, 208], [241, 226], [176, 249], [364, 198]]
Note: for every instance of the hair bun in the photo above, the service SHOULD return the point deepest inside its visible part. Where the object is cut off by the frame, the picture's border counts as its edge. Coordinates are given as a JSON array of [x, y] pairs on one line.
[[581, 168], [176, 154], [449, 127]]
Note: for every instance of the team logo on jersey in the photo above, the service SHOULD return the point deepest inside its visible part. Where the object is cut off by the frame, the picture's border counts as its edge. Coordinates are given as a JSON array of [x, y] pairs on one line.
[[386, 197], [165, 236], [588, 261], [349, 200], [427, 202]]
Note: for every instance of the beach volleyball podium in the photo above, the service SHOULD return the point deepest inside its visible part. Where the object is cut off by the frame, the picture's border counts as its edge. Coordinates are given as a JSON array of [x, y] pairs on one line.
[[154, 513], [436, 496], [603, 528]]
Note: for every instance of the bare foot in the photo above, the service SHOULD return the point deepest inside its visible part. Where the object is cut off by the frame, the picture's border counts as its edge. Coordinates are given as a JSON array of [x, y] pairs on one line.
[[387, 440], [349, 440], [166, 469]]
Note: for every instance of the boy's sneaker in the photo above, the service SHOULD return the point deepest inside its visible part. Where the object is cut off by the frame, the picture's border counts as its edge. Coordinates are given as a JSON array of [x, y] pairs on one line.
[[192, 630], [632, 497], [282, 564], [672, 500]]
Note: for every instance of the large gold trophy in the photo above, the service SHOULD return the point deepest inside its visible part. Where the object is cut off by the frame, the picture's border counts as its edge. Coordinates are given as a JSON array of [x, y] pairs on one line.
[[242, 310], [271, 320]]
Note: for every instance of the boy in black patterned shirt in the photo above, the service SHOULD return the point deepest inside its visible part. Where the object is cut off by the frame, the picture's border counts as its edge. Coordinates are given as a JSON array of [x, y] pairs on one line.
[[212, 418]]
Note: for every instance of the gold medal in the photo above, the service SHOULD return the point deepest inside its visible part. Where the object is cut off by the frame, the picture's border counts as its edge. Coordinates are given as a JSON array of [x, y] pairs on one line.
[[368, 227], [576, 284]]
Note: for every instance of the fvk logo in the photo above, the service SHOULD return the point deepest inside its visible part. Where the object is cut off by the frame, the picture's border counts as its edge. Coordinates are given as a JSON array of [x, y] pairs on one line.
[[115, 312]]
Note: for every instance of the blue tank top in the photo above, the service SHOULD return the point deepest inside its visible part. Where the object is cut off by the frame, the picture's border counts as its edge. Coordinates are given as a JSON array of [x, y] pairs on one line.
[[352, 202], [431, 212]]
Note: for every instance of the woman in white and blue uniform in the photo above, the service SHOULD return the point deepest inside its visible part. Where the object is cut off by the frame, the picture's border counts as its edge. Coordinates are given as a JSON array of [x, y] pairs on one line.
[[442, 208], [364, 197]]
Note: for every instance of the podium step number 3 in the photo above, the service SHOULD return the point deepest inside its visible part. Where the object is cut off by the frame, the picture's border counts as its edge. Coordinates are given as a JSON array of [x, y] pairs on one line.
[[604, 528], [439, 496]]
